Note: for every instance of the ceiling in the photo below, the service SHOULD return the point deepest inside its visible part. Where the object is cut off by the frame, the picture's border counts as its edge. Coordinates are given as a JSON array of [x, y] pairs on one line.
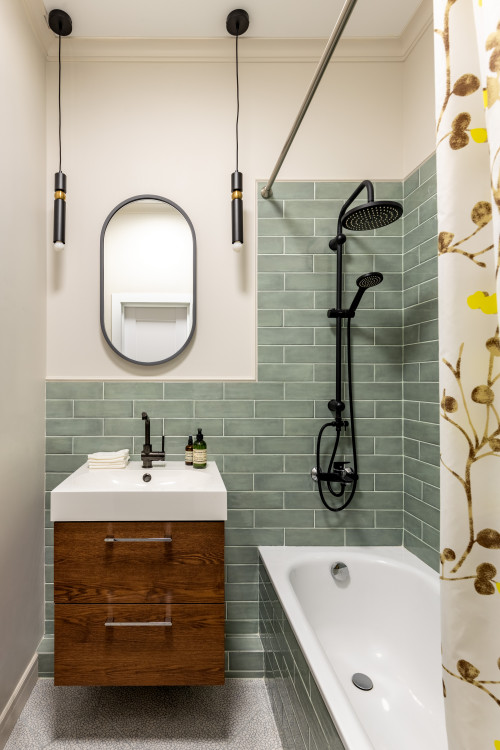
[[207, 18]]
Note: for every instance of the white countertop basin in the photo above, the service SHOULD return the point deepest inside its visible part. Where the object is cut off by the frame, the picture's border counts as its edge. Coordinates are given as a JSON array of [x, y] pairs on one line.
[[176, 492]]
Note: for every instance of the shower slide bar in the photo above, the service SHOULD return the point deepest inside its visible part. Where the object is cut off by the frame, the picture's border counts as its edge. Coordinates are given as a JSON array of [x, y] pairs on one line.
[[342, 20]]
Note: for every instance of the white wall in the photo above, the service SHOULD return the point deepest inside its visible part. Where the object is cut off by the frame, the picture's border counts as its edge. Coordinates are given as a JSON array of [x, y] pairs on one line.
[[22, 320], [419, 123], [168, 128]]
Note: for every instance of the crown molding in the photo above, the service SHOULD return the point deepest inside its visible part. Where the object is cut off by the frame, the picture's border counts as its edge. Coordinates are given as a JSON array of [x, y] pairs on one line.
[[119, 49]]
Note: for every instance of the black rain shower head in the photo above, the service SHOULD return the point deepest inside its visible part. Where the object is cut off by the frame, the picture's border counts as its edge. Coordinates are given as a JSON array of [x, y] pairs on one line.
[[372, 215], [364, 282]]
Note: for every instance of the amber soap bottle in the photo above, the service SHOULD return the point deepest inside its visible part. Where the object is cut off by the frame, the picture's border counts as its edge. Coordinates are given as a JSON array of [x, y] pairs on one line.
[[188, 453]]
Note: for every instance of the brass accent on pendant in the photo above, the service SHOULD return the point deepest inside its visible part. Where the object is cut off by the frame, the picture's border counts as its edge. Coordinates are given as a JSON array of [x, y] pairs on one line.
[[236, 194], [60, 194]]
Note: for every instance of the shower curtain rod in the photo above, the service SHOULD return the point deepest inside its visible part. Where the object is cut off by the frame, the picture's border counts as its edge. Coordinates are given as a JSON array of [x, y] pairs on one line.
[[342, 20]]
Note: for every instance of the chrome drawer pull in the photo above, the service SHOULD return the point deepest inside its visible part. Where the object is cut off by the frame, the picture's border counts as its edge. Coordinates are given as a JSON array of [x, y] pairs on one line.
[[113, 624], [139, 539]]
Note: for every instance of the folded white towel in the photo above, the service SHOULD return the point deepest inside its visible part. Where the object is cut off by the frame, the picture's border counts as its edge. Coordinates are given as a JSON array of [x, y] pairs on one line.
[[109, 455]]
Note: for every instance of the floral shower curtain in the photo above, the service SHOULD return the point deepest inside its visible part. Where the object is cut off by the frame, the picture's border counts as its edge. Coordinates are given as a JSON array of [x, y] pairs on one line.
[[467, 63]]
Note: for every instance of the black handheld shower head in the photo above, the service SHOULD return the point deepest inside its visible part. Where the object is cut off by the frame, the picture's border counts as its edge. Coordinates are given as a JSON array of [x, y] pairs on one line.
[[364, 282]]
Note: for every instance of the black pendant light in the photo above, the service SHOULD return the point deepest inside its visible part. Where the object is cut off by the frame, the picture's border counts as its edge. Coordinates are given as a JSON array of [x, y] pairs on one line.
[[237, 23], [60, 23]]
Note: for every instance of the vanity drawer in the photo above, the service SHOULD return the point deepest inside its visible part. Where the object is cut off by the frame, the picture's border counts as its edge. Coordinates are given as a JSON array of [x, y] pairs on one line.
[[130, 562], [127, 644]]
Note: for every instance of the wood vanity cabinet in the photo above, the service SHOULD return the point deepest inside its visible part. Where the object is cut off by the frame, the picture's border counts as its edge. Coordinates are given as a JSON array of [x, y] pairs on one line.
[[139, 603]]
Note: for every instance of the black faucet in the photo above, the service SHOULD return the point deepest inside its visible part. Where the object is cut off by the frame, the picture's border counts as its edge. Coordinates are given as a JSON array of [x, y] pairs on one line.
[[148, 455]]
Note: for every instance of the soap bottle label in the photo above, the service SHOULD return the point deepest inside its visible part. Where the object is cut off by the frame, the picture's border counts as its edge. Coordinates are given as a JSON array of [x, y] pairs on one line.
[[200, 456], [188, 457]]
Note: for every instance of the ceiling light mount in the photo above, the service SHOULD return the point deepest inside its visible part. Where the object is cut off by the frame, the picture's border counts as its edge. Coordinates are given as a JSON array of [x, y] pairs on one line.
[[237, 22], [60, 22]]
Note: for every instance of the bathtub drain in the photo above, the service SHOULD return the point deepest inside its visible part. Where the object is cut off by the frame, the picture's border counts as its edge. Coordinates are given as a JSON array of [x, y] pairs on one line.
[[362, 681]]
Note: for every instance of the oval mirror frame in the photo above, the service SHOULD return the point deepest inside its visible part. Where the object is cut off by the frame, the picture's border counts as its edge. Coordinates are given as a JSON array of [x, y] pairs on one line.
[[115, 210]]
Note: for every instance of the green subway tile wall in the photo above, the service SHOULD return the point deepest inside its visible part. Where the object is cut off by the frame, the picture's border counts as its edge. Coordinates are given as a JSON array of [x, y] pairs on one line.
[[262, 435], [420, 365]]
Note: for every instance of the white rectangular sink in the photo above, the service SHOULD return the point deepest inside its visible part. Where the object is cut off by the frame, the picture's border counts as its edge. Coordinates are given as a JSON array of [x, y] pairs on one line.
[[176, 492]]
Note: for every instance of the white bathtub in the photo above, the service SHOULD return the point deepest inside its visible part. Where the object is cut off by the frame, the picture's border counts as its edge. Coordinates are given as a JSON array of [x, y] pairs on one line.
[[384, 622]]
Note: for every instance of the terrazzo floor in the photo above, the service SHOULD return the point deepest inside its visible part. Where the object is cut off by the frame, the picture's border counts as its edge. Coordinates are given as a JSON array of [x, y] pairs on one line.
[[235, 715]]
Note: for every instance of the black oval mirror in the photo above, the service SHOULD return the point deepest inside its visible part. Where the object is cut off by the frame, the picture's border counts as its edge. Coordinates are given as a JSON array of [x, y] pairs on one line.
[[148, 280]]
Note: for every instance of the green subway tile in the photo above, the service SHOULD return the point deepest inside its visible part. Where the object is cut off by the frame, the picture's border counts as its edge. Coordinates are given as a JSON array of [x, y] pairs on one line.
[[270, 209], [231, 445], [286, 336], [302, 500], [427, 209], [389, 519], [238, 482], [411, 448], [309, 281], [74, 426], [74, 390], [46, 664], [242, 592], [388, 373], [388, 445], [306, 245], [254, 391], [379, 317], [284, 409], [422, 471], [166, 409], [254, 537], [428, 290], [387, 464], [270, 318], [389, 190], [286, 445], [58, 444], [242, 574], [412, 524], [302, 426], [283, 190], [241, 555], [255, 499], [314, 537], [428, 168], [411, 183], [239, 519], [270, 354], [224, 409], [388, 409], [377, 355], [422, 551], [286, 372], [286, 263], [354, 519], [59, 408], [270, 282], [299, 318], [378, 427], [335, 190], [314, 209], [59, 462], [423, 431], [255, 464], [429, 454], [242, 642], [284, 519], [246, 661], [420, 234], [429, 413], [412, 486], [390, 482], [200, 391], [270, 482], [253, 426], [429, 332], [285, 227], [130, 426], [86, 445], [421, 194], [315, 391], [430, 536], [366, 500], [429, 251], [242, 610], [307, 354], [103, 408], [270, 245], [129, 390], [285, 300], [390, 537]]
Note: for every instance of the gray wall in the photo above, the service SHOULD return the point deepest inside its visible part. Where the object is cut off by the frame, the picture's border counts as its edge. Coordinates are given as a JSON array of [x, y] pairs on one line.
[[22, 375]]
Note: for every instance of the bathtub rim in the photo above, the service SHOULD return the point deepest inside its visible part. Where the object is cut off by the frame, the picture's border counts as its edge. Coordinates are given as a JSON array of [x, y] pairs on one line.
[[279, 563]]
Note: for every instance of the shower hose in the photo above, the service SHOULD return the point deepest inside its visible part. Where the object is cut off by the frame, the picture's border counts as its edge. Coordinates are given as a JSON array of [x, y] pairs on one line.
[[338, 427]]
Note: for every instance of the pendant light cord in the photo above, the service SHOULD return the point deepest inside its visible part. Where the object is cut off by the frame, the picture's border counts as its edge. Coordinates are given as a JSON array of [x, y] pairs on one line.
[[237, 103], [60, 148]]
